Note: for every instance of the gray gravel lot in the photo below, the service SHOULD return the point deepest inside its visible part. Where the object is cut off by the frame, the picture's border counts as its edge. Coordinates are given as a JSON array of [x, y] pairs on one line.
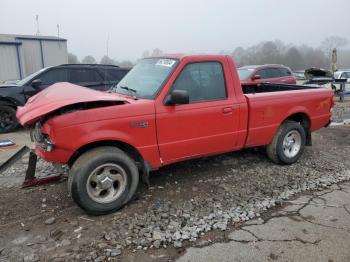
[[189, 204]]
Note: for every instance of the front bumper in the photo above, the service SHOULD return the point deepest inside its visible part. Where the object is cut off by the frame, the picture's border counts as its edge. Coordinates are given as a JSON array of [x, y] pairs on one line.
[[57, 155]]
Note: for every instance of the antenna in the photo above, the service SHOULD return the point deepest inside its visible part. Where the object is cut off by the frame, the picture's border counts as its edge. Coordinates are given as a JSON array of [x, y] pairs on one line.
[[107, 44], [58, 31], [37, 25], [58, 34]]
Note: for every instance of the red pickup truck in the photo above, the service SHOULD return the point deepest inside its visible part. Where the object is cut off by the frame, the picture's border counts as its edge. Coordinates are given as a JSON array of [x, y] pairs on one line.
[[166, 109]]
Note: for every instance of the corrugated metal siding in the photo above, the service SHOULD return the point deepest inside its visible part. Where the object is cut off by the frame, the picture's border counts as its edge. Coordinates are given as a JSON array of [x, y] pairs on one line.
[[9, 69], [55, 52], [32, 56], [35, 52]]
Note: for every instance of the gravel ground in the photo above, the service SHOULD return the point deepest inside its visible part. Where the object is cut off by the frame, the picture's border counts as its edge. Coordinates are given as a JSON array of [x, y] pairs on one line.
[[341, 112], [189, 204]]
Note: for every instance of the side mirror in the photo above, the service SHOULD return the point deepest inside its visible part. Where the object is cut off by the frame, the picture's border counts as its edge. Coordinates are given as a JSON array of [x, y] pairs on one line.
[[177, 97], [36, 83], [256, 77]]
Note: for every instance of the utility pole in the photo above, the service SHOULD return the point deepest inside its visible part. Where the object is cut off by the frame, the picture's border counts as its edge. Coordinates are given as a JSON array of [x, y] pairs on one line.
[[37, 25]]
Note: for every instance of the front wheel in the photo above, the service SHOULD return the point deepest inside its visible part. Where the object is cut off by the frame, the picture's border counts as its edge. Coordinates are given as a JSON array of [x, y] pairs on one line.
[[288, 144], [102, 180], [8, 120]]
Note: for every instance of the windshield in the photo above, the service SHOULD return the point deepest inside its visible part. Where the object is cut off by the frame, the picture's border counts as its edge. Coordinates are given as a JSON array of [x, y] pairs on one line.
[[244, 73], [146, 78], [30, 77]]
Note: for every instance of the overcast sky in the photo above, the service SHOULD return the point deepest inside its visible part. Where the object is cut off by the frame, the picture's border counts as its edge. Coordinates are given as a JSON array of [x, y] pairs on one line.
[[176, 25]]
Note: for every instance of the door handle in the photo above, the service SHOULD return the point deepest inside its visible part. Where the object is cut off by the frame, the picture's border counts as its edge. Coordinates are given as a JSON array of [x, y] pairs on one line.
[[227, 110]]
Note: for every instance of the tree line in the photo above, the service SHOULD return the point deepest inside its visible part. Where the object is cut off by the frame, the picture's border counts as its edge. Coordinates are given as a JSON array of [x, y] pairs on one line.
[[296, 57], [267, 52]]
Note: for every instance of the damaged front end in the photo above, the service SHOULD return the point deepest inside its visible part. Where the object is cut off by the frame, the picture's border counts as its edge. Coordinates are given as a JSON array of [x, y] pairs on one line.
[[59, 99], [41, 139]]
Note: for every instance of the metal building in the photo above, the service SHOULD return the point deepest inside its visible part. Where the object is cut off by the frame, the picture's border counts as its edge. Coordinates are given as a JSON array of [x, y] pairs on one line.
[[21, 55]]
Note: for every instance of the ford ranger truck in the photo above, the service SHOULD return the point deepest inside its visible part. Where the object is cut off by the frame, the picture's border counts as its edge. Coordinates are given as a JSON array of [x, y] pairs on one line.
[[165, 110]]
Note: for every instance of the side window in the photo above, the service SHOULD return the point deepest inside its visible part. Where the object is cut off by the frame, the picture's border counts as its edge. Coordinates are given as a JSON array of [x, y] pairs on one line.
[[84, 75], [274, 72], [204, 81], [345, 75], [263, 73], [285, 72], [114, 74], [53, 76]]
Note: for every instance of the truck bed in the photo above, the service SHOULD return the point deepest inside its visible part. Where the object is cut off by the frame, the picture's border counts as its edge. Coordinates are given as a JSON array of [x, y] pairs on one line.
[[269, 105]]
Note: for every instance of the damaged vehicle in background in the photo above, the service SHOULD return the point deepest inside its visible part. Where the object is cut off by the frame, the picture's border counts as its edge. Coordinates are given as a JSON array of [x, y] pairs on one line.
[[165, 110], [16, 93]]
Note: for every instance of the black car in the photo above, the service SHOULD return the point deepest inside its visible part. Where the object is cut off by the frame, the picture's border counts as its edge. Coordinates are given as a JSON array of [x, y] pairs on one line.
[[95, 76]]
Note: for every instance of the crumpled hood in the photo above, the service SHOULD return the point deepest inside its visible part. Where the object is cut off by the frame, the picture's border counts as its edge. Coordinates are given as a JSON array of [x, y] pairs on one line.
[[60, 95], [313, 72]]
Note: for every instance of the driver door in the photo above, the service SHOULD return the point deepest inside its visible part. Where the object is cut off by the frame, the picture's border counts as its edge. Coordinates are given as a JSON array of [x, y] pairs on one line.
[[205, 126]]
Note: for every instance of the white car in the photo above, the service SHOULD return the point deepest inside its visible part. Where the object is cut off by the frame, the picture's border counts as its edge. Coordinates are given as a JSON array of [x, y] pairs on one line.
[[342, 74]]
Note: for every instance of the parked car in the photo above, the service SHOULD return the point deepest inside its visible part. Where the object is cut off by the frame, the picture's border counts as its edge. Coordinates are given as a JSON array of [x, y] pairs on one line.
[[12, 95], [165, 110], [257, 74], [342, 74]]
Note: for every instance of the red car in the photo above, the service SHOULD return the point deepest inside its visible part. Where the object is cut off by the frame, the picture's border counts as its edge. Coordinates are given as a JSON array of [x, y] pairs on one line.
[[166, 109], [257, 74]]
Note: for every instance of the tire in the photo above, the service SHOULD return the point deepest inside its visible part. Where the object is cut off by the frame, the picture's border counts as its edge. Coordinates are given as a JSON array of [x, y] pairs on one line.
[[93, 185], [282, 149], [8, 120]]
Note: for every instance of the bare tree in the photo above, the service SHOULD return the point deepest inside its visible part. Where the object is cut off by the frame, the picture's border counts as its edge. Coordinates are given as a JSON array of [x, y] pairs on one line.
[[73, 59], [332, 42], [157, 52], [145, 54], [108, 61], [88, 60], [277, 52], [293, 58], [126, 63]]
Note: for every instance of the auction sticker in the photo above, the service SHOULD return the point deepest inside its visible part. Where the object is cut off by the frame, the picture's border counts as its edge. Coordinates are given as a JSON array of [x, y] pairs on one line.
[[166, 62]]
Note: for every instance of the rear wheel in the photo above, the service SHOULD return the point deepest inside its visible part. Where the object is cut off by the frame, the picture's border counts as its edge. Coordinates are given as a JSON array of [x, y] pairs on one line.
[[8, 120], [102, 180], [288, 144]]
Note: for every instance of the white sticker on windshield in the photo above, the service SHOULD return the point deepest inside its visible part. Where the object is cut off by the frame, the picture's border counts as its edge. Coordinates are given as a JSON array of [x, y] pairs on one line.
[[166, 62]]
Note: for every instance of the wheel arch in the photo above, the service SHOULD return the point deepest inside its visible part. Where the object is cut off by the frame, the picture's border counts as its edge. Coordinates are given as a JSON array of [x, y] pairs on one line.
[[8, 102], [125, 147], [304, 120]]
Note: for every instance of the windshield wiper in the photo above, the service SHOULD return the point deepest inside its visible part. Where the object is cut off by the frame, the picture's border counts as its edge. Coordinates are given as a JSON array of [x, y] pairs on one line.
[[128, 88]]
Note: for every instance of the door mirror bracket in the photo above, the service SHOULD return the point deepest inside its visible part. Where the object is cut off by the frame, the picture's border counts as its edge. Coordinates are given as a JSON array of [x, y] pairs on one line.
[[177, 97], [256, 77], [36, 83]]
